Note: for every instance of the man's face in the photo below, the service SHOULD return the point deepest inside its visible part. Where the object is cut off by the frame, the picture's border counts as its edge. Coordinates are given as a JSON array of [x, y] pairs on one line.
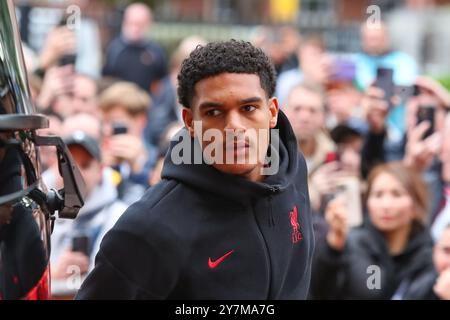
[[238, 107], [315, 64], [83, 98], [305, 111], [135, 24], [375, 41]]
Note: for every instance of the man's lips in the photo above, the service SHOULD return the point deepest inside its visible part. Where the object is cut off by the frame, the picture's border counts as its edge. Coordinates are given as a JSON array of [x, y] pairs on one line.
[[237, 146]]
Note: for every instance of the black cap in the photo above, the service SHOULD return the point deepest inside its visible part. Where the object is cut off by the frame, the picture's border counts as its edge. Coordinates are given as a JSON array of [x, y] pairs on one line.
[[89, 143]]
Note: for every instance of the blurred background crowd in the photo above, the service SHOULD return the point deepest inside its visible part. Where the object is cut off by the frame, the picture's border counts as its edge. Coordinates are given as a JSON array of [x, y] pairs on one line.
[[365, 85]]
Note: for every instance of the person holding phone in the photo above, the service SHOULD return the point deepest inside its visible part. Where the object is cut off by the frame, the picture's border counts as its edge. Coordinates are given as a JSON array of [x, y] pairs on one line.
[[382, 258], [75, 242], [124, 107]]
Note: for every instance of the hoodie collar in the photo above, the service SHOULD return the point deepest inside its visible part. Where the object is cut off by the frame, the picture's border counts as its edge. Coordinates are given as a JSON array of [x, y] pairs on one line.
[[209, 179]]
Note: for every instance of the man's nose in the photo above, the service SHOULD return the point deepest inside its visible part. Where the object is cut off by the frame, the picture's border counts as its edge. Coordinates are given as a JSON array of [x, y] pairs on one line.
[[234, 122]]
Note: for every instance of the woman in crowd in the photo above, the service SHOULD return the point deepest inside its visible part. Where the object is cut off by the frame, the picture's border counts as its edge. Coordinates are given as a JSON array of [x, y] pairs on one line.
[[386, 256]]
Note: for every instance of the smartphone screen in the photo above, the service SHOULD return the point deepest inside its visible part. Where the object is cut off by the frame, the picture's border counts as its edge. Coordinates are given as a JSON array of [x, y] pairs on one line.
[[349, 193], [67, 59], [119, 128], [426, 113], [385, 82]]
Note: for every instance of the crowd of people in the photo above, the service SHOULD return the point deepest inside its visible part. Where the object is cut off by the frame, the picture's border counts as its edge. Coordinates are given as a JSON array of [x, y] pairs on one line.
[[371, 127]]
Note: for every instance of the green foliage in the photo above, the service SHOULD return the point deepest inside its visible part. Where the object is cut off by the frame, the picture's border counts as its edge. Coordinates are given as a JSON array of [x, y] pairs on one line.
[[445, 81]]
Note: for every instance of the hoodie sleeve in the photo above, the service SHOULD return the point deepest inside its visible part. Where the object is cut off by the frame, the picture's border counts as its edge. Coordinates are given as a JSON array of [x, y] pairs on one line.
[[128, 267]]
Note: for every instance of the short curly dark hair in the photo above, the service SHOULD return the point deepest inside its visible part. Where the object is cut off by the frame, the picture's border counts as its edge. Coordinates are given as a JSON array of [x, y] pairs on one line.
[[231, 56]]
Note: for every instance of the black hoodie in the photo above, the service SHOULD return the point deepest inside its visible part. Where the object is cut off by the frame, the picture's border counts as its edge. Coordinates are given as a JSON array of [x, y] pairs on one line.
[[203, 234]]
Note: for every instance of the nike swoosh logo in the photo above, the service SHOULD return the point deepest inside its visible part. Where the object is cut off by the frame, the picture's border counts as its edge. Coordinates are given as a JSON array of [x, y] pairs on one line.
[[213, 264]]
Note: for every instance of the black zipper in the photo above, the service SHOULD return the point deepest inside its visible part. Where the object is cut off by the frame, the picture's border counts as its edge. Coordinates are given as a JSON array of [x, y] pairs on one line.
[[273, 190]]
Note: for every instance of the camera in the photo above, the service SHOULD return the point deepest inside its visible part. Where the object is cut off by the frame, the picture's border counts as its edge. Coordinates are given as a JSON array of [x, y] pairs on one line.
[[119, 128]]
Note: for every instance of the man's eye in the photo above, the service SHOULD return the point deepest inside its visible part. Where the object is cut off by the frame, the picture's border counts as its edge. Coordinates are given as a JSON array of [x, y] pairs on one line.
[[248, 108], [212, 113]]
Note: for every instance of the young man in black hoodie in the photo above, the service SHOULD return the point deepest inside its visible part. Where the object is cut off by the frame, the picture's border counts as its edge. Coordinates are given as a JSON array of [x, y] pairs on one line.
[[209, 229]]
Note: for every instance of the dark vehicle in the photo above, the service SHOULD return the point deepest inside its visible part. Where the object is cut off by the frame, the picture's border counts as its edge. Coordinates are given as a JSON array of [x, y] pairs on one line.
[[27, 208]]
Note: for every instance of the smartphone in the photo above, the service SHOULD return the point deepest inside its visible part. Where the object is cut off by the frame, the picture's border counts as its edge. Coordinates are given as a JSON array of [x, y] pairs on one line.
[[349, 192], [385, 82], [119, 128], [67, 59], [80, 243], [426, 113]]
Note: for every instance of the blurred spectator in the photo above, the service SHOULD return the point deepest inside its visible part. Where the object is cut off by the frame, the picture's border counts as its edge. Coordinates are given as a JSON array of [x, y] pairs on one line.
[[436, 283], [314, 68], [382, 258], [99, 213], [280, 44], [84, 122], [124, 108], [102, 207], [341, 169], [132, 57], [59, 49], [441, 258], [67, 93], [305, 109], [184, 49], [74, 42], [377, 52], [344, 102], [349, 142]]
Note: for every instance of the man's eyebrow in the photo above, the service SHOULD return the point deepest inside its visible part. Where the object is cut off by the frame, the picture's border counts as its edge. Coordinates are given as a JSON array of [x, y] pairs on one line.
[[250, 100], [210, 104]]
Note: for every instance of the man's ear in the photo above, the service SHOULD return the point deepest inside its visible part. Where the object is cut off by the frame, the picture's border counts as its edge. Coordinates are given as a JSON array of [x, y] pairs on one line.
[[274, 108], [188, 120]]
